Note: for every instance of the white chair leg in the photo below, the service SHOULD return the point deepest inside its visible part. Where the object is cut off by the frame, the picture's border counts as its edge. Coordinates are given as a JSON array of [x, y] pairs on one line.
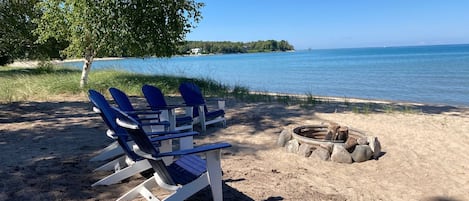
[[111, 165], [125, 173], [189, 189], [167, 146], [142, 189], [186, 143], [215, 174], [221, 104], [202, 118], [224, 122], [111, 151]]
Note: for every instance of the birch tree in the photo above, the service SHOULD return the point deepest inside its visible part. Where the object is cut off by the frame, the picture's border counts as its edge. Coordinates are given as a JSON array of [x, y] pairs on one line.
[[97, 28]]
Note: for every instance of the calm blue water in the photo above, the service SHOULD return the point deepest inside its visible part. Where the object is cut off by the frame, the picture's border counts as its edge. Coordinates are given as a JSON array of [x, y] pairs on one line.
[[428, 74]]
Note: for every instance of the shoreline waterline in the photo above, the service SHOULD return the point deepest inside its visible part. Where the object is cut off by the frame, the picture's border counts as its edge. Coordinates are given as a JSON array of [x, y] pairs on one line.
[[355, 100]]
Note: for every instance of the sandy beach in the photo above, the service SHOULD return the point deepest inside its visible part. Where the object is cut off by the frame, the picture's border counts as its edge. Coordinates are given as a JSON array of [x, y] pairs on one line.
[[46, 147], [35, 63]]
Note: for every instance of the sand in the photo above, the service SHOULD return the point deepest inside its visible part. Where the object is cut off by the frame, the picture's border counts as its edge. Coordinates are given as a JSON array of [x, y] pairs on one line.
[[35, 63], [46, 147]]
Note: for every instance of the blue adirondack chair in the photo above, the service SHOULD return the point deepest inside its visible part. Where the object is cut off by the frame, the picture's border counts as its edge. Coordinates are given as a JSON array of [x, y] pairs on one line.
[[192, 96], [130, 163], [123, 102], [113, 150], [143, 114], [156, 101], [185, 176]]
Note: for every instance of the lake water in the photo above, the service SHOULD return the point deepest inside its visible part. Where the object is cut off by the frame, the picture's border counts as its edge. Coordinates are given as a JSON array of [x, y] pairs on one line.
[[427, 74]]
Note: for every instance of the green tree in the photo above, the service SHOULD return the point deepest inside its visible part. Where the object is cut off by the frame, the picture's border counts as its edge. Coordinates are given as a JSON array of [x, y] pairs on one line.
[[15, 23], [96, 28], [16, 39]]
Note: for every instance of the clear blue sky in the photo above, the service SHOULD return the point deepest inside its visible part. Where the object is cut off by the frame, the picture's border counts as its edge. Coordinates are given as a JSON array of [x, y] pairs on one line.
[[336, 24]]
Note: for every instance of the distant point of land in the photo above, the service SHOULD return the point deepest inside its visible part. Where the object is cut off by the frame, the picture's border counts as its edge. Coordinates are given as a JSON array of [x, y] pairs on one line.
[[227, 47]]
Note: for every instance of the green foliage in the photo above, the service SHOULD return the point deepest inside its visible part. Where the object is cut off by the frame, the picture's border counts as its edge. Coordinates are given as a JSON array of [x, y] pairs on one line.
[[312, 100], [45, 67], [118, 28], [5, 59], [15, 27], [226, 47], [16, 38]]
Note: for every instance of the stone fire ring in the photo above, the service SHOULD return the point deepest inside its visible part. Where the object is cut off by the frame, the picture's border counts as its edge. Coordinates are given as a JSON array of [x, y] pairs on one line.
[[315, 141]]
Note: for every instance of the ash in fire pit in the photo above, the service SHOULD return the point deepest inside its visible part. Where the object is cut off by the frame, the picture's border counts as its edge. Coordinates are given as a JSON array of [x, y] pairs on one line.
[[330, 142]]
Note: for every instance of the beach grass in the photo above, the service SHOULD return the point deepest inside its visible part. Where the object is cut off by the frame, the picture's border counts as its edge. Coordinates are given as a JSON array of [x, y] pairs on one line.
[[21, 84], [47, 80]]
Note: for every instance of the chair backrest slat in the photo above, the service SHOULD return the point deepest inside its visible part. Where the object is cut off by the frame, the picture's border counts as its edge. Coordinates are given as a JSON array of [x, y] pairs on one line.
[[122, 101], [144, 144], [192, 96], [154, 96]]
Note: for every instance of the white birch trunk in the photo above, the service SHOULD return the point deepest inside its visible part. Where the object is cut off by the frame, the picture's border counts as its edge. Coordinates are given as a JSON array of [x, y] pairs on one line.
[[86, 68]]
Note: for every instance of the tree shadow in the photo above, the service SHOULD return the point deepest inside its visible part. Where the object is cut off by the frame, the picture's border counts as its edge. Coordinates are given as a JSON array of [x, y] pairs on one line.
[[229, 193], [439, 198], [46, 146], [36, 71]]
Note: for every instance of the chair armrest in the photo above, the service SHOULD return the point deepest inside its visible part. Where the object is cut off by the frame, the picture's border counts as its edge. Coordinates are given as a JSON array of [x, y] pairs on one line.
[[199, 149], [220, 103], [214, 99], [159, 133], [148, 118], [148, 112], [143, 112], [142, 109], [162, 123], [167, 107], [173, 136], [195, 105]]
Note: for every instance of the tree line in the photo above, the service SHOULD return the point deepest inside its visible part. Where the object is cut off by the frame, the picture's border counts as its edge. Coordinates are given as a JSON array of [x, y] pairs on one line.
[[227, 47]]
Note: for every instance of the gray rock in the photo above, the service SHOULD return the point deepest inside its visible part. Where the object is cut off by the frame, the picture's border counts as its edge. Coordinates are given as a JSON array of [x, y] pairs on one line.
[[321, 153], [375, 146], [350, 144], [292, 146], [305, 150], [342, 133], [284, 137], [340, 155], [327, 146], [362, 141], [362, 153]]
